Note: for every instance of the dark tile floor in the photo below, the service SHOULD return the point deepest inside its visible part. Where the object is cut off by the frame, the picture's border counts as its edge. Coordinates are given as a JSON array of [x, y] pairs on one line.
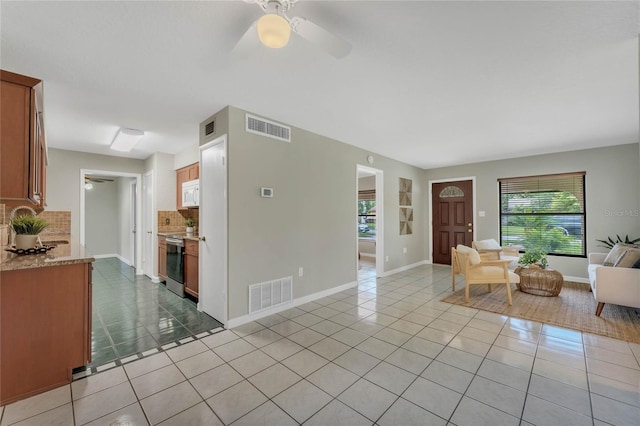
[[132, 314]]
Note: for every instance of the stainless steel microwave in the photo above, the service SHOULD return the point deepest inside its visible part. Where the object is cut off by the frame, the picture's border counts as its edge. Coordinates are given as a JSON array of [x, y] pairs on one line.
[[191, 193]]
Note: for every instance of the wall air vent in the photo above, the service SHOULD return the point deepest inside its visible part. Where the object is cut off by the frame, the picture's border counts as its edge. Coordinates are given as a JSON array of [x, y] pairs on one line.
[[210, 127], [270, 293], [267, 128]]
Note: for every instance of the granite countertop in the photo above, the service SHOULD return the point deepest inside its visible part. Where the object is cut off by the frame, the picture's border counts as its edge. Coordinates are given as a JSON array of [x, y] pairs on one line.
[[63, 254], [192, 237]]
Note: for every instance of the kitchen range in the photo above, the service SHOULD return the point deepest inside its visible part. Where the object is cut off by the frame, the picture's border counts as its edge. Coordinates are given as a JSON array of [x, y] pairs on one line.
[[178, 262], [175, 264]]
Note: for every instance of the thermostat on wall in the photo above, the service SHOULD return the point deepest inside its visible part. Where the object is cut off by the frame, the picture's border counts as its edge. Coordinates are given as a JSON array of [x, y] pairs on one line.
[[266, 192]]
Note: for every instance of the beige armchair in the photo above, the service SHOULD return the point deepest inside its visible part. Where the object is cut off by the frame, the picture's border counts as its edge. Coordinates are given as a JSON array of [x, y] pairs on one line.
[[468, 262]]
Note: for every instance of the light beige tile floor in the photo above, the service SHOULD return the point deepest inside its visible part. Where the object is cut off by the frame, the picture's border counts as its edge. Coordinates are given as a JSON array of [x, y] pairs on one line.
[[387, 353]]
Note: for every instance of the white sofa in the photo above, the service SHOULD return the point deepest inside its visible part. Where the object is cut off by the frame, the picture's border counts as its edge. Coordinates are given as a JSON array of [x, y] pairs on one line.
[[609, 284]]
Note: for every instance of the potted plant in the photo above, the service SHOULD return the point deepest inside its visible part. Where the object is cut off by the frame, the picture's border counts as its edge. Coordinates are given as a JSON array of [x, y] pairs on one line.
[[189, 223], [610, 242], [534, 258], [27, 228]]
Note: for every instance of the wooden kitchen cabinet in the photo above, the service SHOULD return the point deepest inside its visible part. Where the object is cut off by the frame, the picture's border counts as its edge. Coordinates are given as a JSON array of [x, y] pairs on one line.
[[23, 148], [45, 323], [185, 174], [162, 257], [191, 250]]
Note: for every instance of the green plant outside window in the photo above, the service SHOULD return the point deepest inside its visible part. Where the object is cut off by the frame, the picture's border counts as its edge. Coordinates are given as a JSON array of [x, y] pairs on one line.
[[544, 212]]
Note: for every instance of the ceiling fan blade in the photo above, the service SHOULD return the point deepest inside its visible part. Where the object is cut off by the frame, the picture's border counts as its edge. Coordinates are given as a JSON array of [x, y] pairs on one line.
[[247, 42], [334, 45]]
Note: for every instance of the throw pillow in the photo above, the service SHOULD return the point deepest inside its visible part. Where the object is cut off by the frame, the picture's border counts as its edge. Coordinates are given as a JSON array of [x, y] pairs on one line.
[[474, 256], [489, 244], [617, 251], [629, 258]]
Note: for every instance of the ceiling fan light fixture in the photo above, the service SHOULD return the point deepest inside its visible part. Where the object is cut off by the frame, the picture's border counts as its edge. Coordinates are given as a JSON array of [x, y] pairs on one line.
[[126, 139], [273, 30]]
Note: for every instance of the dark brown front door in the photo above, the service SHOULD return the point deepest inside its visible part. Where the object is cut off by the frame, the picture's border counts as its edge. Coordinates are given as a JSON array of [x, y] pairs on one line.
[[452, 208]]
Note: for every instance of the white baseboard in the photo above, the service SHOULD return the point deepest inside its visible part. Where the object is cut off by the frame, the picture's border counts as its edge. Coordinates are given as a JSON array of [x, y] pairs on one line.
[[404, 268], [576, 279], [105, 256], [235, 322]]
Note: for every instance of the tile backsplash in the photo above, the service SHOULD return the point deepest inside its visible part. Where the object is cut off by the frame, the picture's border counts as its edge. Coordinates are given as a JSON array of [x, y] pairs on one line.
[[173, 221], [59, 223]]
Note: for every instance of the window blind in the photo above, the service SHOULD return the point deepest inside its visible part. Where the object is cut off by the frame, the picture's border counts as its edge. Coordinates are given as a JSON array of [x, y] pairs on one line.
[[546, 211]]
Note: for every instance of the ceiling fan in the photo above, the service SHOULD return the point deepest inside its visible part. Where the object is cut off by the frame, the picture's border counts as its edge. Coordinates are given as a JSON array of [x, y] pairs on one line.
[[274, 28], [97, 179]]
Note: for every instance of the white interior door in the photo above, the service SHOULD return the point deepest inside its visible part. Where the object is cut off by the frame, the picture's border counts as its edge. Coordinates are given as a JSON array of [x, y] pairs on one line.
[[133, 196], [148, 251], [213, 229]]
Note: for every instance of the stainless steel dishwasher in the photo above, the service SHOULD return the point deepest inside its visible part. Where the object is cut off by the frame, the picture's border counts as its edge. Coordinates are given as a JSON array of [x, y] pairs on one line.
[[175, 265]]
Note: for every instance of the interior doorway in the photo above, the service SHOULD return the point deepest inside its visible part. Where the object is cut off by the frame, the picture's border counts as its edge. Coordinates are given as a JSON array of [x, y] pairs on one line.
[[369, 222], [110, 214], [452, 211]]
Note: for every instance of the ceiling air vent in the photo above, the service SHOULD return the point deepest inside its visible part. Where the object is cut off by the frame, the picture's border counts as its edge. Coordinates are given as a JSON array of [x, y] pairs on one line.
[[210, 127], [268, 128]]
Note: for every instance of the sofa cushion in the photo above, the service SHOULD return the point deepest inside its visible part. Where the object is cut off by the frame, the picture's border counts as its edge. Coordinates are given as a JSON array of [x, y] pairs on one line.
[[617, 251], [474, 256], [628, 258]]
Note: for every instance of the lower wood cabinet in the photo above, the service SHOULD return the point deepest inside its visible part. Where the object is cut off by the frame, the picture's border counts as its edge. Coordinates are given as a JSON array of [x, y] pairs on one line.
[[191, 267], [162, 257], [45, 324]]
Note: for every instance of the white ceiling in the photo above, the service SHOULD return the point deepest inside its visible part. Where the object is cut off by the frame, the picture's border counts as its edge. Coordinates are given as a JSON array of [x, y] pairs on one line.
[[428, 83]]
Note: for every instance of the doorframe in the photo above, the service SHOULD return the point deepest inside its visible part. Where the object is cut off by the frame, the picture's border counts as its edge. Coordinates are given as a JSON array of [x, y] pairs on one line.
[[111, 173], [430, 205], [380, 260]]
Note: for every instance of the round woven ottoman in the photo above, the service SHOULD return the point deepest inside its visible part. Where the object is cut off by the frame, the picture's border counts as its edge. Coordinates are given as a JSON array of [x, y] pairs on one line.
[[538, 281]]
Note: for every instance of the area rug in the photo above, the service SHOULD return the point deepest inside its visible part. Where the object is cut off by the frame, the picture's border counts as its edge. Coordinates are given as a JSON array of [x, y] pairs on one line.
[[573, 308]]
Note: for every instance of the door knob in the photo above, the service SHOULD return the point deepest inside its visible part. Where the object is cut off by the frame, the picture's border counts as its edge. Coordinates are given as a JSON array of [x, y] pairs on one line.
[[202, 239], [469, 224], [149, 232], [469, 230]]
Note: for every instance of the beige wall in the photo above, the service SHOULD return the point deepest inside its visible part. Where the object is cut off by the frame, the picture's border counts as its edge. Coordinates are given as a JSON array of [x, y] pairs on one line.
[[612, 180], [102, 220], [164, 180], [310, 221], [187, 157], [63, 178]]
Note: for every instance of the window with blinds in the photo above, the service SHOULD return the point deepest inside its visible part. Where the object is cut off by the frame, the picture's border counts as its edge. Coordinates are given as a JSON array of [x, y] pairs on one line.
[[544, 212]]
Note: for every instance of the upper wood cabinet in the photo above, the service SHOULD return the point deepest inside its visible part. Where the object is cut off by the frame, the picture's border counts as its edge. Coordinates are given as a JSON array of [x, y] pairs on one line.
[[23, 148], [185, 174]]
